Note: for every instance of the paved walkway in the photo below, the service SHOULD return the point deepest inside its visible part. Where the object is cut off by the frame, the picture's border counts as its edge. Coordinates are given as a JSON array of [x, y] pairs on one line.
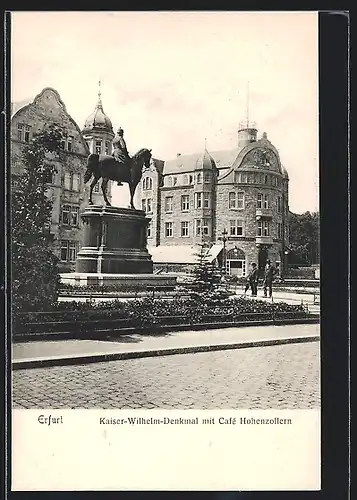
[[52, 353], [271, 377]]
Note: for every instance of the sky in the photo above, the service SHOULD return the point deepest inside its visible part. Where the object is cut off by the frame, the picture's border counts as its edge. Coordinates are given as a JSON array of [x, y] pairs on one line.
[[175, 79]]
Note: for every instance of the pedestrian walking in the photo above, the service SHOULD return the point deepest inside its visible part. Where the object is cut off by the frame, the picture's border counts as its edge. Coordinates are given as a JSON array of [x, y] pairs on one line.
[[269, 275], [252, 280]]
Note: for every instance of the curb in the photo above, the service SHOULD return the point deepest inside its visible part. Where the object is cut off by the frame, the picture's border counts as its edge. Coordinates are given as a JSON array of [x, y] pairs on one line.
[[99, 358]]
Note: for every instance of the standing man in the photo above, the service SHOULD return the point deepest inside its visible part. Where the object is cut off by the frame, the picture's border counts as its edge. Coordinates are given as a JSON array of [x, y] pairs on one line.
[[120, 152], [269, 274], [252, 280]]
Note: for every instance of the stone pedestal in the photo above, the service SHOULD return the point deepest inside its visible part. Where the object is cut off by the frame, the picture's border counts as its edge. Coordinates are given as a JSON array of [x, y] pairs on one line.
[[115, 241]]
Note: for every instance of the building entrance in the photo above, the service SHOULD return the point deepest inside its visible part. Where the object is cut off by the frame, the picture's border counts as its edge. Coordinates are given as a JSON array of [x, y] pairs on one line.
[[236, 262]]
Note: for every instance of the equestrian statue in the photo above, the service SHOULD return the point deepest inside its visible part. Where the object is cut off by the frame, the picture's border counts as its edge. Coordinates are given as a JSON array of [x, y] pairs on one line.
[[119, 167]]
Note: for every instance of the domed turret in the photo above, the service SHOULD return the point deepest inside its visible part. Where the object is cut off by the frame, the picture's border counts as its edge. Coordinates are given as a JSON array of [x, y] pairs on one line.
[[98, 130], [98, 119]]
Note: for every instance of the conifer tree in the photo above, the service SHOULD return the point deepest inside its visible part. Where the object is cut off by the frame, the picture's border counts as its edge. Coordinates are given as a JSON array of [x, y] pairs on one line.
[[206, 275], [34, 271]]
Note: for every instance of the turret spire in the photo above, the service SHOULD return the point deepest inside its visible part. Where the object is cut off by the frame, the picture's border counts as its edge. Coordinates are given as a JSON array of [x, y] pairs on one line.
[[99, 104], [248, 104]]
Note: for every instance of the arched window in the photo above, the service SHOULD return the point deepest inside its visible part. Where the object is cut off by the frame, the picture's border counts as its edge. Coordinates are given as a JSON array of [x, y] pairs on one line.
[[199, 178]]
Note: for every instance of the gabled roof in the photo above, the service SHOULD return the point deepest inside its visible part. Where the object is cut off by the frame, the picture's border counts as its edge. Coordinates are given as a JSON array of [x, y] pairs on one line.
[[15, 106]]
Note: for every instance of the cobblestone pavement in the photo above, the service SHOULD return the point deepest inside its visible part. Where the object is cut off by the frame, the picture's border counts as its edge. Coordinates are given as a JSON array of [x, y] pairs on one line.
[[275, 377]]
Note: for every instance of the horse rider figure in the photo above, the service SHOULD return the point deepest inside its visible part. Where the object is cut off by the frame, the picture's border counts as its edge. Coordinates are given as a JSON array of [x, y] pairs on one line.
[[120, 151]]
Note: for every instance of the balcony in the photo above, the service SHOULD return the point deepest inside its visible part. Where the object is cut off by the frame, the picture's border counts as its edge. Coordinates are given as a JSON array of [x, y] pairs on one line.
[[264, 213], [264, 240]]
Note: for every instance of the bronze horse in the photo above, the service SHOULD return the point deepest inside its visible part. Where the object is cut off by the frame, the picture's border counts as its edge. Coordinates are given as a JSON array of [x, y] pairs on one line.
[[108, 168]]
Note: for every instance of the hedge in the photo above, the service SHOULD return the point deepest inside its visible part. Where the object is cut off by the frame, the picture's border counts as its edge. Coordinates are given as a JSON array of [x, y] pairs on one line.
[[148, 312]]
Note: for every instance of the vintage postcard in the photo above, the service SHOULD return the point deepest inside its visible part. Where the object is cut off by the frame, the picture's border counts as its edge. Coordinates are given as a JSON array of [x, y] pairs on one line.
[[165, 251]]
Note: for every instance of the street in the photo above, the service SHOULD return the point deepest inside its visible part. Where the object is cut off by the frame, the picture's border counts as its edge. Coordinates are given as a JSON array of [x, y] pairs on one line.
[[275, 377]]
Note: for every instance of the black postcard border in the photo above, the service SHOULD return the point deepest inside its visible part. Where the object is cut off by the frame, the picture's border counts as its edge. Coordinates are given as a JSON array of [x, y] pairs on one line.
[[334, 65]]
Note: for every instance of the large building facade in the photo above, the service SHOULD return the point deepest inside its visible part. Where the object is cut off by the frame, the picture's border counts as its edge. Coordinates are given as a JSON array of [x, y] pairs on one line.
[[66, 189], [235, 201]]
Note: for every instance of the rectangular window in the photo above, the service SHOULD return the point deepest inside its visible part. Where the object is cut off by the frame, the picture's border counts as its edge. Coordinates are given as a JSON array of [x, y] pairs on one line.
[[244, 178], [67, 180], [279, 204], [174, 180], [280, 231], [27, 133], [65, 214], [147, 183], [143, 204], [206, 200], [184, 228], [98, 147], [236, 227], [168, 229], [149, 230], [260, 200], [72, 251], [74, 216], [68, 250], [198, 200], [206, 227], [202, 227], [20, 130], [76, 182], [263, 228], [168, 204], [207, 177], [70, 215], [232, 200], [199, 178], [107, 148], [185, 203], [64, 251], [266, 201], [70, 143], [240, 200]]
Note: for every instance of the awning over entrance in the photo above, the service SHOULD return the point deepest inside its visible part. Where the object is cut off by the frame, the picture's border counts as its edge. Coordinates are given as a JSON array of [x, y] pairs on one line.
[[213, 252], [181, 254], [174, 254]]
